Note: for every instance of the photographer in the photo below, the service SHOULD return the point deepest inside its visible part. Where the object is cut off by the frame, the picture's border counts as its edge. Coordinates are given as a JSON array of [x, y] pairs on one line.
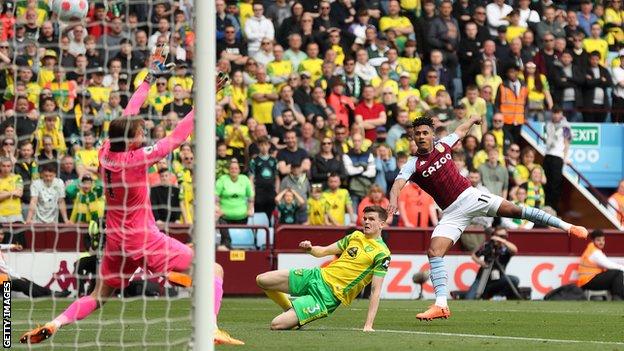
[[498, 248]]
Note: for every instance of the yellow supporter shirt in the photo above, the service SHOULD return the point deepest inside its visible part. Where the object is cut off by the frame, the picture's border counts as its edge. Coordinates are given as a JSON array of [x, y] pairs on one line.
[[405, 94], [613, 16], [58, 140], [413, 65], [317, 210], [410, 5], [479, 107], [99, 94], [262, 111], [535, 95], [481, 157], [87, 158], [245, 10], [185, 181], [281, 68], [239, 98], [236, 142], [387, 22], [337, 204], [11, 206], [45, 76], [494, 82], [340, 55], [312, 66], [159, 101], [427, 90], [590, 45], [361, 259], [376, 81], [185, 82], [514, 32]]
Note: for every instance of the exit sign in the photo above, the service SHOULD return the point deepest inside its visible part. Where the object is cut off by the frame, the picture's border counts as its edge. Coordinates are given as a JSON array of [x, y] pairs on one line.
[[585, 134]]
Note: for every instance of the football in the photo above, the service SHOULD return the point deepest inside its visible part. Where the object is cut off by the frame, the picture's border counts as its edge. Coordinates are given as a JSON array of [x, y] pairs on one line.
[[70, 10]]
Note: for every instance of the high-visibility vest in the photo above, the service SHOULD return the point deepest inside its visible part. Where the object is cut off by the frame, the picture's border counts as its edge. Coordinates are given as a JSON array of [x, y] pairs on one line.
[[588, 269], [512, 106]]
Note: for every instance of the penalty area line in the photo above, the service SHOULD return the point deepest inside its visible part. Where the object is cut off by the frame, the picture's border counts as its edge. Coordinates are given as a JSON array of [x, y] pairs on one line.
[[481, 336]]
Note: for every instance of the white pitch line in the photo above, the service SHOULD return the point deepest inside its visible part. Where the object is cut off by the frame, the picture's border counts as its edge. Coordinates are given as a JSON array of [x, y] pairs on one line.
[[480, 336]]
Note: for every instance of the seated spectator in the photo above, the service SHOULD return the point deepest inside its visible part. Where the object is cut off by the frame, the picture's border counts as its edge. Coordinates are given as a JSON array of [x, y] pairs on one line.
[[326, 163], [443, 77], [375, 196], [47, 198], [235, 196], [11, 191], [597, 272], [398, 129], [363, 68], [288, 203], [21, 118], [292, 154], [318, 105], [263, 175], [160, 97], [416, 208], [487, 77], [360, 168], [53, 132], [339, 202], [165, 199], [88, 199], [184, 173], [279, 69], [317, 207], [288, 124], [308, 140], [503, 139], [429, 90], [494, 174]]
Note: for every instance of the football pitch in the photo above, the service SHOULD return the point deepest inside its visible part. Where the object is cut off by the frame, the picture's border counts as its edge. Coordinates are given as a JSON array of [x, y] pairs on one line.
[[474, 325]]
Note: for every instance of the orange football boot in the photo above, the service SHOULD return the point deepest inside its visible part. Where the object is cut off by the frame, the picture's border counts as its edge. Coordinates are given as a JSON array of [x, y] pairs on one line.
[[223, 338], [434, 312], [180, 279], [578, 231], [38, 334]]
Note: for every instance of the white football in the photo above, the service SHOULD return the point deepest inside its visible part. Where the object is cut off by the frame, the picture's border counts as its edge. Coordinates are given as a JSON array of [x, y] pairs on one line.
[[68, 10]]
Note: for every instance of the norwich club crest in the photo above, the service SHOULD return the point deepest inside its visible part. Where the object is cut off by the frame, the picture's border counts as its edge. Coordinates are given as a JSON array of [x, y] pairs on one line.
[[352, 251]]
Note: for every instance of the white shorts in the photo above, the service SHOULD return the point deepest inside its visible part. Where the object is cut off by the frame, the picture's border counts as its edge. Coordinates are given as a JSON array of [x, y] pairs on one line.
[[471, 203]]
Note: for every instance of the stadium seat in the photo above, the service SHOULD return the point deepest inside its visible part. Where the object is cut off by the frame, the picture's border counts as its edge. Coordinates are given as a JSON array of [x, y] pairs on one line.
[[347, 219], [259, 218], [242, 238], [261, 238], [601, 294]]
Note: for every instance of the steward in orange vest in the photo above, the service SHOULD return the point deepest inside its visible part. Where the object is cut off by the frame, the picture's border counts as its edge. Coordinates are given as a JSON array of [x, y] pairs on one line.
[[617, 200], [597, 272], [511, 100]]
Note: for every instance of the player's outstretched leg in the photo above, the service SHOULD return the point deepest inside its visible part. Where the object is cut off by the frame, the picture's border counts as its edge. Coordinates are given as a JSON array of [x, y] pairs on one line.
[[221, 337], [437, 249], [275, 286], [78, 310], [508, 209]]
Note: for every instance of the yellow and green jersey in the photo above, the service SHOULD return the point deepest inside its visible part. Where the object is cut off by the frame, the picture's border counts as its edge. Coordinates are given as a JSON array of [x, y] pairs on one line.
[[11, 206], [316, 211], [262, 111], [361, 259], [314, 66], [337, 204]]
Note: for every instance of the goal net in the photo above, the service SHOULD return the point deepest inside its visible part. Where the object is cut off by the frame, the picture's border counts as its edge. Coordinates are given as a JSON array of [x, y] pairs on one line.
[[62, 85]]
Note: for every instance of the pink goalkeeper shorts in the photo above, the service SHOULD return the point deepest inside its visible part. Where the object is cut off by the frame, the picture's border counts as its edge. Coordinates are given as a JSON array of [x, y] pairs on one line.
[[159, 254]]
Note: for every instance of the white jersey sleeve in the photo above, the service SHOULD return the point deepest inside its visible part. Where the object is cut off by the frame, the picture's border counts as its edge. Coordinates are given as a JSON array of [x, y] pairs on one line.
[[408, 169], [450, 139]]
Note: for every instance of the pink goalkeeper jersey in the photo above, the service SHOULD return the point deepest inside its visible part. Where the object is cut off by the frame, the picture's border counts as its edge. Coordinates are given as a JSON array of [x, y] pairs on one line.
[[129, 215], [436, 173]]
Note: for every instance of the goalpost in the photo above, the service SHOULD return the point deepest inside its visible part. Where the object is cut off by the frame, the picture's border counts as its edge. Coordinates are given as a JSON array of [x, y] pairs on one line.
[[204, 323], [129, 323]]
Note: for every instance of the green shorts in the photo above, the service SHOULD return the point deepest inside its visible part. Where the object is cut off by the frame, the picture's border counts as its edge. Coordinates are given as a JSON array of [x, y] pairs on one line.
[[314, 297]]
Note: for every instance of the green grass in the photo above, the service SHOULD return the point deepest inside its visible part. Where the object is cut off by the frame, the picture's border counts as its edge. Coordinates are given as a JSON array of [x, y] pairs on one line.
[[475, 325]]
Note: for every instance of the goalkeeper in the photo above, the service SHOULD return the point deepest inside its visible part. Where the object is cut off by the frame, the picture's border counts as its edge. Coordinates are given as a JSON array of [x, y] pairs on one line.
[[132, 238], [364, 257]]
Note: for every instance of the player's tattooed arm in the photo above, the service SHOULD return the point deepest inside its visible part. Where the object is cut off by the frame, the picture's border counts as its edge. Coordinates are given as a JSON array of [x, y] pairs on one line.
[[373, 304], [463, 129], [320, 251]]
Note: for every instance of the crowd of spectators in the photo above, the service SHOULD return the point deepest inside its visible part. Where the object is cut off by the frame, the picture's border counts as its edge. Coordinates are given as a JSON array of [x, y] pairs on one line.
[[315, 123], [324, 92], [62, 83]]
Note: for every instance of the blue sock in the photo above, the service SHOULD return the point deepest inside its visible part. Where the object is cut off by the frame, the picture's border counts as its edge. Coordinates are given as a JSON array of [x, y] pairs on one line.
[[540, 217], [438, 279]]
